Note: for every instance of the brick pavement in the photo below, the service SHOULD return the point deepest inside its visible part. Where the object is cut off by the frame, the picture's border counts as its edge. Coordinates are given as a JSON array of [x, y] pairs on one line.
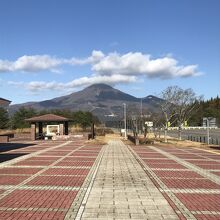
[[45, 182], [76, 180], [187, 177]]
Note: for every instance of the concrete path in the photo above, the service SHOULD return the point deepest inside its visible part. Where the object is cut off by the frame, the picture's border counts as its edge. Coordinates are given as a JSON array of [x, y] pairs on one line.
[[122, 190]]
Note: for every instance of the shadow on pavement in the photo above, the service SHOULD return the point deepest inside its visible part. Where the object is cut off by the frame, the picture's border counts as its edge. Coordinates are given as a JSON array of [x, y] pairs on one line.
[[215, 147], [13, 146], [6, 157]]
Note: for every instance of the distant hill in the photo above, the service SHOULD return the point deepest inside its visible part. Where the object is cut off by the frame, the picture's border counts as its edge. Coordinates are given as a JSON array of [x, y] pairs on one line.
[[102, 100]]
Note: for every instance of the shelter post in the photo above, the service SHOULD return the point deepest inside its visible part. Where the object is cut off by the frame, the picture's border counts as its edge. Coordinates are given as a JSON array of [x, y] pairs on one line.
[[33, 131], [66, 129], [61, 129]]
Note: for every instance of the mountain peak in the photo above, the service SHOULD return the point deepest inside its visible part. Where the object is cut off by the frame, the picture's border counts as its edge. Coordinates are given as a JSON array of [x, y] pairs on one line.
[[102, 100], [99, 86]]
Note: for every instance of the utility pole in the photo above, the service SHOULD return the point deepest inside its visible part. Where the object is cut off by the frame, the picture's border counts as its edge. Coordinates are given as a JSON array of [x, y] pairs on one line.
[[141, 116], [125, 120], [141, 108]]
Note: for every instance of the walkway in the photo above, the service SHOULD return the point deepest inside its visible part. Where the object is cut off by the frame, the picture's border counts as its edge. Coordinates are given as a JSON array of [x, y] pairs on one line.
[[67, 180], [122, 190]]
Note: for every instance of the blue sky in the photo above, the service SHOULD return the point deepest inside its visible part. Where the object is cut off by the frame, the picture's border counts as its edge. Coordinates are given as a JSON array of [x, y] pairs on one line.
[[50, 48]]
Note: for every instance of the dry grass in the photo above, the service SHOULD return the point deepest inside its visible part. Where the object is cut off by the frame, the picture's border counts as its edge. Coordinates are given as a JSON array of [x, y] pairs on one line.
[[15, 131]]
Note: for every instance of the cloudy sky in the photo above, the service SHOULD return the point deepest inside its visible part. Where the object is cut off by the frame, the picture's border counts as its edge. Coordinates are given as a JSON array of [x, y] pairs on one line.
[[51, 48]]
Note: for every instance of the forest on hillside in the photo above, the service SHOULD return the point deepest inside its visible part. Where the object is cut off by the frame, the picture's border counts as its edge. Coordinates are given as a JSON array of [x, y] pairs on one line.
[[209, 108]]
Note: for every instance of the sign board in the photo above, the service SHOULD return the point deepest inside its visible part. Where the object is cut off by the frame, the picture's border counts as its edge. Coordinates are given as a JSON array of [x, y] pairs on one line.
[[209, 121], [149, 123], [53, 130]]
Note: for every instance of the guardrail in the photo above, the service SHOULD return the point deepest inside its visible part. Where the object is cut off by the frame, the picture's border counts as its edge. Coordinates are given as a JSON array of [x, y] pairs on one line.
[[191, 128]]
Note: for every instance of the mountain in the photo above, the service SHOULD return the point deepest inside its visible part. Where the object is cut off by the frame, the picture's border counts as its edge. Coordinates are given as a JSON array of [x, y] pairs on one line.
[[102, 100]]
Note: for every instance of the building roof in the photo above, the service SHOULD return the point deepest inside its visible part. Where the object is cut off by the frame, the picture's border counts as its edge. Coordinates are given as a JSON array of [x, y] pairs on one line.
[[6, 100], [47, 118]]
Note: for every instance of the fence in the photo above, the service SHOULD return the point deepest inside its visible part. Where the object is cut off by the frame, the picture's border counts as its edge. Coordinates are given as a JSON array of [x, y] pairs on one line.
[[203, 139]]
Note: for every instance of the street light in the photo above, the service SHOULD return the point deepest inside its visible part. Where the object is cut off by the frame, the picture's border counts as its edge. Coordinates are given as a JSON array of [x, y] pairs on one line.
[[125, 121]]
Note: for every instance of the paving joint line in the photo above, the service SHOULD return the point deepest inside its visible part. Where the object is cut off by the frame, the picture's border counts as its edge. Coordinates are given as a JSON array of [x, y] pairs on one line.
[[26, 187]]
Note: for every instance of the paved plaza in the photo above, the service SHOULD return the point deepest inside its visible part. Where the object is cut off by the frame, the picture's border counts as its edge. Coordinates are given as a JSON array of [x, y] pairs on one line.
[[63, 180]]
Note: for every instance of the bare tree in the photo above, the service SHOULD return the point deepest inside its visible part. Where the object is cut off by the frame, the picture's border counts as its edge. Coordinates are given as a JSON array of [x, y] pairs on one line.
[[167, 109], [177, 106]]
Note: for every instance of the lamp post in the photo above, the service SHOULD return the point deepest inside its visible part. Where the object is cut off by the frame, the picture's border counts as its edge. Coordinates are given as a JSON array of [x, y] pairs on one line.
[[125, 120]]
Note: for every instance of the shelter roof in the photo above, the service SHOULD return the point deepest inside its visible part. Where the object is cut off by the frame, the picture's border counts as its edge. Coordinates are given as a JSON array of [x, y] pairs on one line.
[[6, 100], [48, 118]]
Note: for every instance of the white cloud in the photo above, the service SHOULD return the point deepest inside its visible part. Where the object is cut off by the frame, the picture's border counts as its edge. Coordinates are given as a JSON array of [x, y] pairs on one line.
[[113, 79], [106, 65], [95, 57], [38, 86], [34, 63], [112, 68], [142, 64]]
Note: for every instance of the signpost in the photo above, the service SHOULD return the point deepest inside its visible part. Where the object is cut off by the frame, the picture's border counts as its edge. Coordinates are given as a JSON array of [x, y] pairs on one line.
[[149, 123]]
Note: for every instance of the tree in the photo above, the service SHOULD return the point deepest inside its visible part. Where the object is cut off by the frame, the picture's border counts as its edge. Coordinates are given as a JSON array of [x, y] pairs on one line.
[[4, 119], [84, 119], [167, 107], [209, 108], [18, 119], [177, 106], [185, 103]]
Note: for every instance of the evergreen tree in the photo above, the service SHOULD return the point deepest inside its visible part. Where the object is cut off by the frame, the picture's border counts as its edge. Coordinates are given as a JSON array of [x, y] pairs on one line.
[[18, 119], [4, 119]]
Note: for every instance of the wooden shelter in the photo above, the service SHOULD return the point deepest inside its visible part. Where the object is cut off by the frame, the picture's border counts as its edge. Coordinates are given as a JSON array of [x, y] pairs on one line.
[[41, 120], [4, 103]]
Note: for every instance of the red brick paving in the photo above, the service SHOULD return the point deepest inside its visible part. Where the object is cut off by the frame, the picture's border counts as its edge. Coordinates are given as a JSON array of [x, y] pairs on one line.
[[14, 170], [67, 171], [11, 180], [44, 158], [187, 179], [207, 217], [150, 160], [33, 163], [197, 202], [166, 165], [198, 162], [150, 155], [177, 174], [31, 215], [75, 163], [84, 159], [52, 176], [38, 199], [55, 153], [57, 181], [190, 183]]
